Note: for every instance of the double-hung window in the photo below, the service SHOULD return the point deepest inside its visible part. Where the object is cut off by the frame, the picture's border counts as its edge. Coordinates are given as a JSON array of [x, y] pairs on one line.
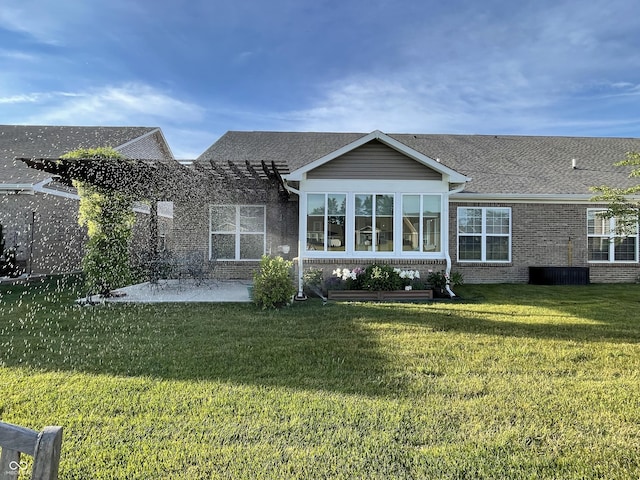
[[606, 243], [237, 232], [484, 234]]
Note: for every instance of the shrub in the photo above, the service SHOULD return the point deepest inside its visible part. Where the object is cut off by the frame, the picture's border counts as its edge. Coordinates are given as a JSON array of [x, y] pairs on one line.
[[381, 277], [438, 280], [272, 285]]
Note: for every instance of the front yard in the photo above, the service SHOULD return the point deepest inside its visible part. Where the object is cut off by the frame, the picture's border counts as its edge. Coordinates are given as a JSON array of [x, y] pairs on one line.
[[513, 382]]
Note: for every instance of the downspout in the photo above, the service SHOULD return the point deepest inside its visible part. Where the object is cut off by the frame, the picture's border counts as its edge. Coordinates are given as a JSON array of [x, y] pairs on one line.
[[447, 256], [300, 295]]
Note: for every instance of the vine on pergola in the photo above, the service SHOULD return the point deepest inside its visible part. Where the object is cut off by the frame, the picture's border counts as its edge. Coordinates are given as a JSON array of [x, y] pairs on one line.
[[109, 218]]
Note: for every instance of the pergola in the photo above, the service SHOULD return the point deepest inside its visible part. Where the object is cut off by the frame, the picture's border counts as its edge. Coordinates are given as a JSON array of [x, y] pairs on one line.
[[160, 180]]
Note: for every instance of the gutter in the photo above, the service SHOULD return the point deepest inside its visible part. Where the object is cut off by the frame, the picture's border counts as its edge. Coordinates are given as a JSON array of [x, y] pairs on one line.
[[27, 188]]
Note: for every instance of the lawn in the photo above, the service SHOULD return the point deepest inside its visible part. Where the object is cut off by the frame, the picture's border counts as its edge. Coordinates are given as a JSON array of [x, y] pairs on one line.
[[514, 381]]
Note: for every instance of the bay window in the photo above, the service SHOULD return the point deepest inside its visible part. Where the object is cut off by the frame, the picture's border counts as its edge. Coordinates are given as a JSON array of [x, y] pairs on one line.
[[484, 234], [237, 232], [605, 243]]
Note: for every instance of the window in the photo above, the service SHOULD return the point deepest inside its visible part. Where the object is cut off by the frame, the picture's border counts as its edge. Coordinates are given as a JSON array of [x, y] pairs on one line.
[[605, 244], [421, 223], [326, 220], [237, 232], [484, 234], [373, 223]]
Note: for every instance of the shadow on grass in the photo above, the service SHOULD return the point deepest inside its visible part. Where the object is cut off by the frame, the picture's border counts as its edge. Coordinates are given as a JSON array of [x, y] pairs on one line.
[[307, 346], [334, 348]]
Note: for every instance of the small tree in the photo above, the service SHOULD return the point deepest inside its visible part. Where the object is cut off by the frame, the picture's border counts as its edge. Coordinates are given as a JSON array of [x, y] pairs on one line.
[[621, 202], [109, 219]]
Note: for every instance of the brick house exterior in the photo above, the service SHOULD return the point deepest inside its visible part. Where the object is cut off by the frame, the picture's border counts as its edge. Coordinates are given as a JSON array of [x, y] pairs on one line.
[[38, 213], [489, 207]]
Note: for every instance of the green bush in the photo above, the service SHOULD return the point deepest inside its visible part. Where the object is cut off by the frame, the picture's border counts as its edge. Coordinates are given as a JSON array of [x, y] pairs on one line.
[[380, 277], [272, 285]]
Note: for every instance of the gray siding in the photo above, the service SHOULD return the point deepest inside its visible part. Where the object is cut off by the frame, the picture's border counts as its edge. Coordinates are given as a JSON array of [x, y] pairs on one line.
[[374, 161]]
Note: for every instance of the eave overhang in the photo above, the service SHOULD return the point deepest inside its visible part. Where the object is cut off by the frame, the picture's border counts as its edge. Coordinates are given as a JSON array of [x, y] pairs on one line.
[[576, 198]]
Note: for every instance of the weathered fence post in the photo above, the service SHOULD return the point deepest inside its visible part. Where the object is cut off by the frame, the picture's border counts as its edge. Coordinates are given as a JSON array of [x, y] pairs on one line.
[[43, 446]]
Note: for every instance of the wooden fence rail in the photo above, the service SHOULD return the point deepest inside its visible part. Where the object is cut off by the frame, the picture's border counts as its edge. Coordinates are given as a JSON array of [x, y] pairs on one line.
[[43, 446]]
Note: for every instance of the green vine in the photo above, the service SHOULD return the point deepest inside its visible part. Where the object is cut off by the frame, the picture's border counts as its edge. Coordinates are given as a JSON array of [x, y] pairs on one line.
[[109, 219]]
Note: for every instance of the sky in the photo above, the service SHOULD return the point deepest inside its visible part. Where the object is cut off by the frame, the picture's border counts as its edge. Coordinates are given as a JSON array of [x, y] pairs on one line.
[[199, 68]]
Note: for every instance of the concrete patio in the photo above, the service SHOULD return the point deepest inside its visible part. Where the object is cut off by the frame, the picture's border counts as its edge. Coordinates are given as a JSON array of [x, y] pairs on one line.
[[184, 291]]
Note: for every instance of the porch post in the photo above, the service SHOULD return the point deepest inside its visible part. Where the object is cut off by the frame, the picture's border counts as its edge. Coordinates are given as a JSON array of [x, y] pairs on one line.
[[153, 240]]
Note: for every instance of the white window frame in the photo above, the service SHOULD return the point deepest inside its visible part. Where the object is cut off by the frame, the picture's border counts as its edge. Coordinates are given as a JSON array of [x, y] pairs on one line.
[[611, 237], [383, 188], [484, 235], [325, 224], [421, 223], [375, 241], [237, 232]]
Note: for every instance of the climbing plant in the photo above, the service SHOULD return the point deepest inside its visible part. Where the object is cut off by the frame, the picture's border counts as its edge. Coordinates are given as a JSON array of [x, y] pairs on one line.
[[109, 219]]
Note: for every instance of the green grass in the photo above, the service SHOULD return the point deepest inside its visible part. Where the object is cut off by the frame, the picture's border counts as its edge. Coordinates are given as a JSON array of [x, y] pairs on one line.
[[515, 381]]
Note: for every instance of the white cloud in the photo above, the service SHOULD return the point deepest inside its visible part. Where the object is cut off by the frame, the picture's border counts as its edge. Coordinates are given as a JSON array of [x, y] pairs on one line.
[[127, 104], [24, 98]]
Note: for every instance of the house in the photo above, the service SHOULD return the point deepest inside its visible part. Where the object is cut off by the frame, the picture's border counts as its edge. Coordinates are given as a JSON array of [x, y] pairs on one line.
[[37, 210], [489, 207]]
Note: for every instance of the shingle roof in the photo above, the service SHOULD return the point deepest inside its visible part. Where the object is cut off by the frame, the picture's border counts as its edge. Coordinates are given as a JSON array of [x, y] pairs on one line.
[[53, 141], [497, 164]]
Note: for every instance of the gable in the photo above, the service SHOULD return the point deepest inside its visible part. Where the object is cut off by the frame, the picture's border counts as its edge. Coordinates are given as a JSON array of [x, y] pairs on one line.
[[374, 161]]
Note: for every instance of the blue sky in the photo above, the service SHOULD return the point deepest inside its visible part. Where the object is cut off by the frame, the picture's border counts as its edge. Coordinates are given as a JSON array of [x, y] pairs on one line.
[[201, 67]]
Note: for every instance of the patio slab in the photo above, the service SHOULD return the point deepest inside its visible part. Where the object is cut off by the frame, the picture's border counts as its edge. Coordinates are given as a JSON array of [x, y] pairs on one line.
[[184, 291]]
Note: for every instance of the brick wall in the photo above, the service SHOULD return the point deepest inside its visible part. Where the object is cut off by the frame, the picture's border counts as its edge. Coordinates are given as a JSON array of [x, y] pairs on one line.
[[542, 235], [58, 241], [191, 228]]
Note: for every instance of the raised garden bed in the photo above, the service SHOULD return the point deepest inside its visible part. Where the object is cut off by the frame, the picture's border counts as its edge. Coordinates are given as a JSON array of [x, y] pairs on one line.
[[380, 295]]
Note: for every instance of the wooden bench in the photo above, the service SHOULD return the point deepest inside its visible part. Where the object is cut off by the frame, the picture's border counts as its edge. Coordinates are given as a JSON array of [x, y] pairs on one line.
[[43, 446]]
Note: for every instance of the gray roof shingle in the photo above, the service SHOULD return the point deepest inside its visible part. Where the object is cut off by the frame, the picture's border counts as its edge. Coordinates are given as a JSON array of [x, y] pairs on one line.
[[53, 141], [497, 164]]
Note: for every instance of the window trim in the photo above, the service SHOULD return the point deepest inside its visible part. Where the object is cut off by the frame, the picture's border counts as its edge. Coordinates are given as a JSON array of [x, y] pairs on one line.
[[612, 236], [484, 235], [237, 232]]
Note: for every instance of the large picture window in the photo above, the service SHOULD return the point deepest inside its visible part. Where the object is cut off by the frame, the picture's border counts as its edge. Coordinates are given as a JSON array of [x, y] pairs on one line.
[[605, 244], [421, 227], [237, 232], [484, 234]]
